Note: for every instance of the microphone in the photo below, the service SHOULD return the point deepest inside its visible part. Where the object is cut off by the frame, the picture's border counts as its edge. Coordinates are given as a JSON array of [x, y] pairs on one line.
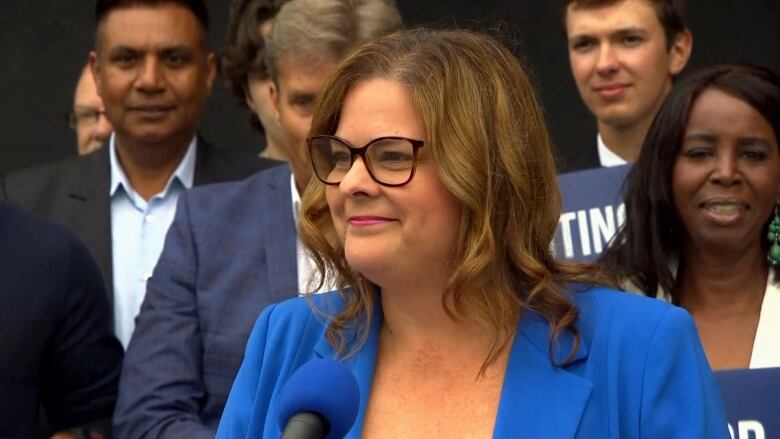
[[320, 400]]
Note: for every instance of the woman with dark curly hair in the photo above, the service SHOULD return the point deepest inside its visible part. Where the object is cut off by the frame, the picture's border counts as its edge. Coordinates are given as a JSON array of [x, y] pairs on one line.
[[703, 226], [434, 207]]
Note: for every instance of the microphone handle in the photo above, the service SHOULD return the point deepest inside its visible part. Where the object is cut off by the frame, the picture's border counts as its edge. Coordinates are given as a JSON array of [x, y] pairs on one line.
[[305, 425]]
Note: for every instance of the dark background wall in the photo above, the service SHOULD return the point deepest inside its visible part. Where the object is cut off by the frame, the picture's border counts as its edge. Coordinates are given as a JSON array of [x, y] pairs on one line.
[[44, 43]]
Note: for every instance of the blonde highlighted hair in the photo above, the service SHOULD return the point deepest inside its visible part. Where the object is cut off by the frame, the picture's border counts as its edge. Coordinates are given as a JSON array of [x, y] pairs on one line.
[[491, 149], [313, 30]]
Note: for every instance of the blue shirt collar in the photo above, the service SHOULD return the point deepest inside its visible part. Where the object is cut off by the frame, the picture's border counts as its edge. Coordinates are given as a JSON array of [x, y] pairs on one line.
[[184, 173]]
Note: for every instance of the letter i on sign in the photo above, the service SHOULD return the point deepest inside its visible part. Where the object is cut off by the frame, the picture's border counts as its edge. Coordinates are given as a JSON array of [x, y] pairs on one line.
[[582, 222]]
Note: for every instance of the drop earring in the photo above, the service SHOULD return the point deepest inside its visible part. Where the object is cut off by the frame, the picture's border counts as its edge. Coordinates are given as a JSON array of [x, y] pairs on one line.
[[773, 255]]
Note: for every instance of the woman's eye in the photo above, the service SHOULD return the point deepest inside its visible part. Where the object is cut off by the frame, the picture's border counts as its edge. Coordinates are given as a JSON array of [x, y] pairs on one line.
[[700, 152], [755, 156], [395, 160], [342, 159]]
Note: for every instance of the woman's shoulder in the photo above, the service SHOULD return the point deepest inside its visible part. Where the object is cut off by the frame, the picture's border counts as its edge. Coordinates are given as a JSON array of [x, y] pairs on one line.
[[650, 335], [627, 315], [606, 297], [644, 356], [286, 335], [293, 321], [303, 309]]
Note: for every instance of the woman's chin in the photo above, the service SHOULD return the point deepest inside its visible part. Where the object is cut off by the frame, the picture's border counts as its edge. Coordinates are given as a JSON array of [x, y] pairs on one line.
[[373, 265]]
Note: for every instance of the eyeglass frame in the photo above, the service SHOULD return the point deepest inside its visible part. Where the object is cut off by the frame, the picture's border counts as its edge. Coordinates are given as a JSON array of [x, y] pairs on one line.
[[72, 117], [361, 152]]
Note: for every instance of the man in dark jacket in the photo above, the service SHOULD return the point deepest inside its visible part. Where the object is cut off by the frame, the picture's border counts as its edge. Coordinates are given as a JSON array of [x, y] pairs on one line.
[[57, 347], [154, 72]]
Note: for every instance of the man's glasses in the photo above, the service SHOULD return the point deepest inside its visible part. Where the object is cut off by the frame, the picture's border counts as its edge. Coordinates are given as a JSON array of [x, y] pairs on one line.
[[83, 117], [390, 160]]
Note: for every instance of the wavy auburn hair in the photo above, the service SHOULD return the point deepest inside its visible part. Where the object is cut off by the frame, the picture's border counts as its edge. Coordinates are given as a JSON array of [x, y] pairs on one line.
[[491, 149]]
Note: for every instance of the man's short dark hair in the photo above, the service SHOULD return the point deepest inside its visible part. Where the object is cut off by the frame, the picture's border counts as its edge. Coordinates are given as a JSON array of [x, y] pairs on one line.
[[197, 7], [670, 13], [244, 51]]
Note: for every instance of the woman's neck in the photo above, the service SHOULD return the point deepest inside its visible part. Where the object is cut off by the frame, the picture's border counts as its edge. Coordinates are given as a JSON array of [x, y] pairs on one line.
[[733, 280], [415, 316]]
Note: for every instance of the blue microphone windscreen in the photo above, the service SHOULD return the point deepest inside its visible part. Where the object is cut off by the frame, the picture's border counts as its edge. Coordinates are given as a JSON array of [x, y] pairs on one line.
[[325, 387]]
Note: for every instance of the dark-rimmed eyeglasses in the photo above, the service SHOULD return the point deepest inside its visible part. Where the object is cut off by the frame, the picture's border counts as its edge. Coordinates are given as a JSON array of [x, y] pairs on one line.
[[83, 117], [390, 161]]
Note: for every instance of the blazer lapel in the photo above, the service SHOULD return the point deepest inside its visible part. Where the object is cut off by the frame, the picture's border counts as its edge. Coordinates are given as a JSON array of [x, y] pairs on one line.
[[766, 349], [209, 165], [88, 197], [279, 234], [538, 399], [362, 365]]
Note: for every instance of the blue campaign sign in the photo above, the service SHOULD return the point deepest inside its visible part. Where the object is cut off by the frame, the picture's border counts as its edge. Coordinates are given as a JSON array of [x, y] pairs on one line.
[[752, 399], [593, 212]]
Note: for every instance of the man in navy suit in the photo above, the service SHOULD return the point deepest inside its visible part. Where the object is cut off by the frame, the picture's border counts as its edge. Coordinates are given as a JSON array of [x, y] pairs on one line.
[[58, 353], [232, 248]]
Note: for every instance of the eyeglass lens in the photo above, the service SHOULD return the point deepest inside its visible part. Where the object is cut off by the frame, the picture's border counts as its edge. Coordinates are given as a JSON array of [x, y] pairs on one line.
[[389, 160], [83, 117]]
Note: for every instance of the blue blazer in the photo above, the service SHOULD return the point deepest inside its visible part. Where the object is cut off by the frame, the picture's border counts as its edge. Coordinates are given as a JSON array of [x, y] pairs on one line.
[[229, 253], [639, 372]]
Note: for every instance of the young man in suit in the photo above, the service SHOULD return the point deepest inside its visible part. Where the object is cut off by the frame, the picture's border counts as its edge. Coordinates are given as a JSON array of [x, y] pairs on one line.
[[624, 55], [154, 72], [58, 353], [232, 248]]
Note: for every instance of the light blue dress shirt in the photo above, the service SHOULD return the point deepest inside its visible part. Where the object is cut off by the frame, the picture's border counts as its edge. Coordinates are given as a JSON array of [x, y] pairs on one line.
[[138, 229]]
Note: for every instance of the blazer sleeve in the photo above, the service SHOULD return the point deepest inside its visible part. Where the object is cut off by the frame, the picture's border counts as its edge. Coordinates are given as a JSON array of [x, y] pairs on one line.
[[162, 381], [82, 363], [680, 397], [245, 413]]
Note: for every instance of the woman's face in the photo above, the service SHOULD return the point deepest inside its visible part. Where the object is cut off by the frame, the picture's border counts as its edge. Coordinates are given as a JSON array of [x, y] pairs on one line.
[[388, 232], [726, 177]]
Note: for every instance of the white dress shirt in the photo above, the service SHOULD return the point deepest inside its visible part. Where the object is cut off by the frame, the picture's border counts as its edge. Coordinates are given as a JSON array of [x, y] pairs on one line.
[[607, 157], [306, 266], [138, 229]]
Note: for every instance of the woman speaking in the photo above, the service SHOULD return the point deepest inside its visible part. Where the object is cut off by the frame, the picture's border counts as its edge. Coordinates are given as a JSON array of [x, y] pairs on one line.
[[702, 225], [433, 209]]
